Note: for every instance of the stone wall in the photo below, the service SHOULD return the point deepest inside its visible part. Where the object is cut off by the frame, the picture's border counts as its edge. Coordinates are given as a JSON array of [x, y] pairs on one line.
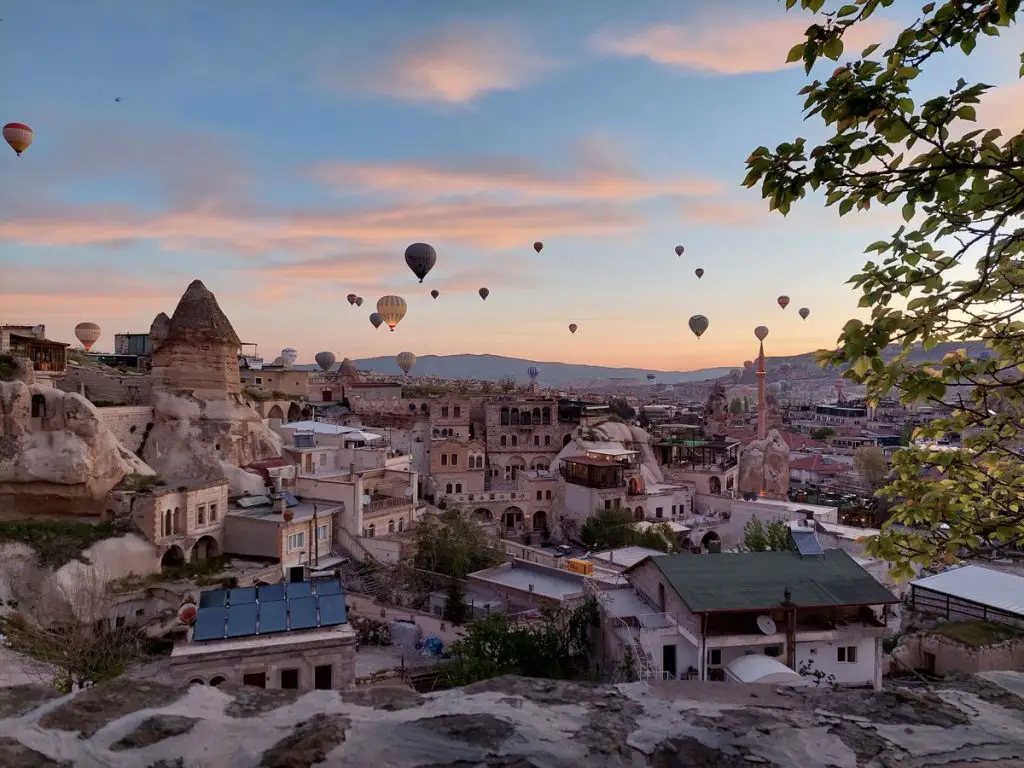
[[129, 423], [953, 657], [106, 385]]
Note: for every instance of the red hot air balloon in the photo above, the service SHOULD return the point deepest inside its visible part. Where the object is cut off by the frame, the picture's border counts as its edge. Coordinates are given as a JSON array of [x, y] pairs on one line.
[[352, 299], [573, 327], [783, 301], [19, 136], [699, 273], [679, 250], [538, 246]]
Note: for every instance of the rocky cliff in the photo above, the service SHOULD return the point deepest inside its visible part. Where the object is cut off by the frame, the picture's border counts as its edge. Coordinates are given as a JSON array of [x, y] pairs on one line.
[[56, 455], [202, 427], [514, 723], [764, 464]]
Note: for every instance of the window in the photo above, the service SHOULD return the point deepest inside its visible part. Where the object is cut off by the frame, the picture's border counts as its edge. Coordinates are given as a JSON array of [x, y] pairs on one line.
[[607, 503], [168, 529], [448, 488], [38, 406], [515, 417], [323, 459], [322, 532], [658, 512], [773, 650], [536, 415], [401, 524], [457, 411], [536, 439], [297, 540], [846, 654], [290, 679], [545, 415], [503, 441], [547, 439], [444, 411], [455, 460], [371, 529], [715, 657], [444, 459], [458, 487], [257, 679], [673, 510], [503, 419], [525, 420], [391, 526], [259, 379], [540, 495], [213, 513], [547, 495], [201, 514], [515, 440]]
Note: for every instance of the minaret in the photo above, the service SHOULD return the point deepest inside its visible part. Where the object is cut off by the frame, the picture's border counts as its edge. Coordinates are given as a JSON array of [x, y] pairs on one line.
[[762, 406]]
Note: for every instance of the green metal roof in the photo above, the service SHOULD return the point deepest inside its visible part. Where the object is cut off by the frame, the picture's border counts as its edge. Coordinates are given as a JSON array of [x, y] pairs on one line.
[[749, 581]]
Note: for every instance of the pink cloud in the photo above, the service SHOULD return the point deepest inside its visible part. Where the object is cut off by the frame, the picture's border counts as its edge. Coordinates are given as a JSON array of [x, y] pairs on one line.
[[727, 46], [1002, 107], [455, 64]]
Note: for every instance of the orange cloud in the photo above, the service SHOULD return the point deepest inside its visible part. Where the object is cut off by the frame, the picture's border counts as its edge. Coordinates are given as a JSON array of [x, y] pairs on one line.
[[1002, 107], [726, 46], [453, 65]]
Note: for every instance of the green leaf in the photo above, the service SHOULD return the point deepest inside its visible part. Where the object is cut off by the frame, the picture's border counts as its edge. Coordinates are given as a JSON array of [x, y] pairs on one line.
[[795, 53], [908, 212], [967, 44], [833, 49]]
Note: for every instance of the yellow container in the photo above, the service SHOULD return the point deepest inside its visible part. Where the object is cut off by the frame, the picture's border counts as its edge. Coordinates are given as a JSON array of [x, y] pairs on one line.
[[582, 567]]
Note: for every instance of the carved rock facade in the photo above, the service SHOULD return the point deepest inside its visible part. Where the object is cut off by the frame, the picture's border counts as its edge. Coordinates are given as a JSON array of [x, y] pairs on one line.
[[764, 464]]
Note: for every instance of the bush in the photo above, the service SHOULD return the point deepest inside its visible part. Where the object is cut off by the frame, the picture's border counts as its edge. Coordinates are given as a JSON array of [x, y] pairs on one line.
[[58, 542]]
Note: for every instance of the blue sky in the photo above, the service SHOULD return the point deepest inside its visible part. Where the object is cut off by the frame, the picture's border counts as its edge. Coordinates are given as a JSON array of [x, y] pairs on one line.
[[287, 159]]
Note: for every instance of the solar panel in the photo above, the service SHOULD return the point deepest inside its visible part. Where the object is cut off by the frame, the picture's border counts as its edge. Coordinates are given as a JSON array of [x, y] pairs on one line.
[[209, 624], [212, 598], [332, 610], [242, 620], [299, 589], [241, 595], [328, 587], [302, 613], [273, 617], [290, 499], [271, 593], [807, 543]]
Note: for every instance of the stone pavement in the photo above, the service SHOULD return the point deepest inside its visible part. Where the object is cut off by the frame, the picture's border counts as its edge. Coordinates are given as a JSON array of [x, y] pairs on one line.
[[516, 723]]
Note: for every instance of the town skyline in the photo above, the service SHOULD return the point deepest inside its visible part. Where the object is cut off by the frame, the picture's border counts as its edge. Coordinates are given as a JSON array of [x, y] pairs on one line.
[[287, 161]]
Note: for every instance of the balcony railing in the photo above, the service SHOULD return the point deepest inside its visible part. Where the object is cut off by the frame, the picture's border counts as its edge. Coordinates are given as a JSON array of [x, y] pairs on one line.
[[499, 485], [381, 504]]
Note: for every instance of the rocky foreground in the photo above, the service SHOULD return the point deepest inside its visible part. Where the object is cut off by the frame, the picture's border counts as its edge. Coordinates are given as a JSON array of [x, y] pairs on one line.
[[516, 723]]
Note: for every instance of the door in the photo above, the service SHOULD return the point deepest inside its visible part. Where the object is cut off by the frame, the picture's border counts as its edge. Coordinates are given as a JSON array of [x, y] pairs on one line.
[[298, 573], [668, 661], [326, 395], [322, 678]]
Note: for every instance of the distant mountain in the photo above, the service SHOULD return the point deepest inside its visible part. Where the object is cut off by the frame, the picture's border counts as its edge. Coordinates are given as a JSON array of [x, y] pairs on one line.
[[495, 367]]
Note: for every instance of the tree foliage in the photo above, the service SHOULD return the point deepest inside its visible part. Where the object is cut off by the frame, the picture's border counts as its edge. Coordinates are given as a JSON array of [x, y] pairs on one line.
[[613, 528], [952, 273], [736, 406], [455, 609], [622, 409], [758, 537], [557, 646], [871, 465], [822, 433], [453, 545]]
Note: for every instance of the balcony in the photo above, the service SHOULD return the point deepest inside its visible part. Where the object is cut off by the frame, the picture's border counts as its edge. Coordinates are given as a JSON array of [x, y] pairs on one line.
[[383, 503], [498, 485]]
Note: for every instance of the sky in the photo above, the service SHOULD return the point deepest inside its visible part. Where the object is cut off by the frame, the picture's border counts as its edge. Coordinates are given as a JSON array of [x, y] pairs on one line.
[[287, 159]]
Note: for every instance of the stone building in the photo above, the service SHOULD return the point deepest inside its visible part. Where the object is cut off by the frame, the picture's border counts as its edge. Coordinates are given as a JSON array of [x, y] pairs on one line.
[[286, 636], [523, 434], [457, 466], [184, 521], [451, 417]]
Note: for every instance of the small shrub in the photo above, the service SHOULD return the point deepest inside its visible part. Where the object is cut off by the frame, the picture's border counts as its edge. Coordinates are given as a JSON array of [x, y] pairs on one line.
[[58, 542]]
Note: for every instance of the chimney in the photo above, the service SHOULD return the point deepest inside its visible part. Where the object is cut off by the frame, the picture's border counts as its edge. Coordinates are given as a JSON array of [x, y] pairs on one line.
[[280, 504], [531, 587], [277, 485]]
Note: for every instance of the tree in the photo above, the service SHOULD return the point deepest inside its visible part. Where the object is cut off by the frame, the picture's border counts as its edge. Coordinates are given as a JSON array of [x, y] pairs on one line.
[[758, 537], [871, 465], [455, 609], [507, 384], [736, 406], [644, 420], [746, 404], [950, 275], [608, 529], [452, 545], [622, 409], [822, 433]]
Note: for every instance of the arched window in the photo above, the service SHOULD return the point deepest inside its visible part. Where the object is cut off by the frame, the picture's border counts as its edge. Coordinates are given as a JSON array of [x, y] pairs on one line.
[[391, 526], [503, 441], [536, 439], [401, 524], [536, 415], [515, 440], [448, 488], [545, 415], [168, 524], [370, 530], [178, 523], [503, 419], [515, 417], [525, 418]]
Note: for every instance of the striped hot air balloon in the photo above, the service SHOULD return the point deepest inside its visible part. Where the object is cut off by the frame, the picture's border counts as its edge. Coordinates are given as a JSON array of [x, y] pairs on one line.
[[392, 309], [19, 136]]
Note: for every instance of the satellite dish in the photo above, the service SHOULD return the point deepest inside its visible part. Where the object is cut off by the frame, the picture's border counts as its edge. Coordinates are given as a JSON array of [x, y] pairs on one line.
[[767, 625], [37, 330], [408, 493], [366, 498]]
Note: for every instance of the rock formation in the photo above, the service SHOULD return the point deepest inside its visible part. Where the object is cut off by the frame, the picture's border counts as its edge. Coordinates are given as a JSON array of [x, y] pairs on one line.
[[764, 464], [516, 723], [56, 455], [716, 410], [203, 428]]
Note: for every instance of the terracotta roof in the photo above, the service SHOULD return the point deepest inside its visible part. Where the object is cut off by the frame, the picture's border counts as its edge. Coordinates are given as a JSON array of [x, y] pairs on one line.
[[816, 463]]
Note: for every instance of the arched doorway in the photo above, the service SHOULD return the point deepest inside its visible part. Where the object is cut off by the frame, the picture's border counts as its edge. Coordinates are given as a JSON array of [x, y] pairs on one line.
[[174, 557], [215, 681], [482, 515], [638, 514], [715, 484], [540, 520], [512, 518], [294, 412], [565, 440], [711, 541], [204, 549], [276, 413]]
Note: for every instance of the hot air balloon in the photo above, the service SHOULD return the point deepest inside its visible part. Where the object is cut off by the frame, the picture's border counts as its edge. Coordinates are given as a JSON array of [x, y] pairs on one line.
[[19, 136], [376, 319], [774, 388], [679, 250], [532, 372], [290, 354], [699, 324], [352, 298], [420, 258], [538, 246], [804, 312], [435, 293], [359, 301], [783, 301], [405, 360], [87, 333], [573, 327], [325, 360], [484, 293], [699, 273], [392, 309], [651, 377], [748, 364], [761, 332]]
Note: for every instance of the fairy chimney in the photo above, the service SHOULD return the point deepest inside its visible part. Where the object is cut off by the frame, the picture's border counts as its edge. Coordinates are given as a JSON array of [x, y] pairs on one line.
[[196, 349]]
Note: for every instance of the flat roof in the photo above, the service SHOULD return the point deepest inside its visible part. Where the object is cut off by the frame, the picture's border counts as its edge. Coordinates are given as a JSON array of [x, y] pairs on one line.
[[748, 581], [300, 512], [550, 582], [626, 556], [977, 584], [613, 452]]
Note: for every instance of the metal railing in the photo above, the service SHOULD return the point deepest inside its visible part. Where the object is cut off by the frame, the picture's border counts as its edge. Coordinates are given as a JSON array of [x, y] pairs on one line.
[[382, 504]]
